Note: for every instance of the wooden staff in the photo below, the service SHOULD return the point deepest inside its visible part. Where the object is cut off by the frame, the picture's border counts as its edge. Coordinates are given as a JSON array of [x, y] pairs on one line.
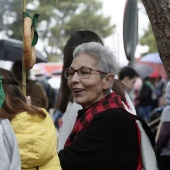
[[23, 65]]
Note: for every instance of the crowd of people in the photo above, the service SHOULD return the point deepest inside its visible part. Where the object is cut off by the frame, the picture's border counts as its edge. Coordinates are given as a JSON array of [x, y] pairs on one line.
[[149, 97], [94, 113]]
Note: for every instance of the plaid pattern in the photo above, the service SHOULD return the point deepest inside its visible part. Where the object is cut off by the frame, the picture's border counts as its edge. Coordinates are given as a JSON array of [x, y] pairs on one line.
[[109, 102]]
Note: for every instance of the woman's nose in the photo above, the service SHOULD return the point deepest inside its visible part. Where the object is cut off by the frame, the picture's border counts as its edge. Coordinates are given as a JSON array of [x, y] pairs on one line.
[[75, 77]]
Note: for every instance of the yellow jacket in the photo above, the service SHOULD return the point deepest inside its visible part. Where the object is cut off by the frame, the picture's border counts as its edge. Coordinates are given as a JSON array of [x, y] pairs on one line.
[[37, 141]]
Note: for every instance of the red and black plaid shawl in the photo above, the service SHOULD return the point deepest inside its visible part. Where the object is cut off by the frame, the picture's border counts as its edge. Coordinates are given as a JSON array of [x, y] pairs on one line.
[[109, 102]]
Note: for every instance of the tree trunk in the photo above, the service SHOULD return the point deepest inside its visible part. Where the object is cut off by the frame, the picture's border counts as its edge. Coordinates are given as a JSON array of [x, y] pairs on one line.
[[159, 15]]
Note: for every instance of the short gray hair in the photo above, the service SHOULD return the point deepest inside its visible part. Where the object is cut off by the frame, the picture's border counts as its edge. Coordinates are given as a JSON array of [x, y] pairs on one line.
[[104, 57]]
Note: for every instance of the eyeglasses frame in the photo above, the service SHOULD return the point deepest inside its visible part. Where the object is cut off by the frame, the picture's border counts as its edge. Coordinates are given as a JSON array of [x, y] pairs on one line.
[[102, 72]]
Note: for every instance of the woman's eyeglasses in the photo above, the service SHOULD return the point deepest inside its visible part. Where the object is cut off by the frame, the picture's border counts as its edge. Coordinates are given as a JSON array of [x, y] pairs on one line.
[[83, 72]]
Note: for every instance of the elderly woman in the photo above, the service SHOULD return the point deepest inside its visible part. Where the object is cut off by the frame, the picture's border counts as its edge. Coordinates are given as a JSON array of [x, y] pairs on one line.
[[104, 135], [65, 103]]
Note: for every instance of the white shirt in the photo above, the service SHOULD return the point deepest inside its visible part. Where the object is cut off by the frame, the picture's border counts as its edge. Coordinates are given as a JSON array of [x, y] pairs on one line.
[[68, 121]]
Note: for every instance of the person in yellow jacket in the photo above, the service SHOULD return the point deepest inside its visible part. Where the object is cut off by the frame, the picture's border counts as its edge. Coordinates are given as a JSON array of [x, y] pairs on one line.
[[33, 127]]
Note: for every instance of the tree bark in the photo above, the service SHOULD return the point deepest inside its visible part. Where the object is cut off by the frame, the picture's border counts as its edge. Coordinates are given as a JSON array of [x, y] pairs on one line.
[[158, 12]]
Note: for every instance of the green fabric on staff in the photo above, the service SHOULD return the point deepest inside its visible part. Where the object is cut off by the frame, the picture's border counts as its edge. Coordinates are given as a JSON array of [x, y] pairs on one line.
[[2, 94], [34, 19]]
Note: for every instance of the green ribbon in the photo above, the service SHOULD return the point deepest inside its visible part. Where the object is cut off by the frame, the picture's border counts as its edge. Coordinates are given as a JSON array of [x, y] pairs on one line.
[[2, 94], [34, 19]]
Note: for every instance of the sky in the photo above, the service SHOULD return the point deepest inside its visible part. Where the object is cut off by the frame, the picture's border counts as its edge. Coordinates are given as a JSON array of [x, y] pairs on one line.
[[115, 9]]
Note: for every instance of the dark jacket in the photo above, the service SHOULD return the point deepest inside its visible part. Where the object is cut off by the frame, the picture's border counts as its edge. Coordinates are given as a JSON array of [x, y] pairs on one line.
[[105, 144], [146, 97]]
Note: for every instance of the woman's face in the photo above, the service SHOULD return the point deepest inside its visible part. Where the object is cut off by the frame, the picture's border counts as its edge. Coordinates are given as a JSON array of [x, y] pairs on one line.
[[88, 90]]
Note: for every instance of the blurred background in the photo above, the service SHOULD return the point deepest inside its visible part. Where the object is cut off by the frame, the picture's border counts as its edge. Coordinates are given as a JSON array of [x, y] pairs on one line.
[[58, 19], [122, 25]]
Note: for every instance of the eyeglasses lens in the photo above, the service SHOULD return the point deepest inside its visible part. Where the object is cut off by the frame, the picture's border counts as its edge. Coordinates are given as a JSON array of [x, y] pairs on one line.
[[83, 72]]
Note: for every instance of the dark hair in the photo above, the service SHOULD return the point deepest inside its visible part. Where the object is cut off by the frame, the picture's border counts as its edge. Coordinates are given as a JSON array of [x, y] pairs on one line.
[[15, 101], [16, 69], [119, 88], [76, 38], [127, 71]]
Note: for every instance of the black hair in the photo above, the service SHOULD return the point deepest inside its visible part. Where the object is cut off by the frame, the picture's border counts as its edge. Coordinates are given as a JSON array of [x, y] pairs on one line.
[[127, 71]]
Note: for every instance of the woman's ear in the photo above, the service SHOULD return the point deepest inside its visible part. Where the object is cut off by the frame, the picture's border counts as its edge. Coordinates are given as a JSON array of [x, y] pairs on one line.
[[108, 80]]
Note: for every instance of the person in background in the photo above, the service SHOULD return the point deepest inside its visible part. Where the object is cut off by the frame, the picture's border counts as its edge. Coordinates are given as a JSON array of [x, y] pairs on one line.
[[147, 98], [156, 114], [103, 125], [162, 147], [160, 85], [33, 126], [128, 76], [57, 118], [33, 88], [65, 103], [50, 91]]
